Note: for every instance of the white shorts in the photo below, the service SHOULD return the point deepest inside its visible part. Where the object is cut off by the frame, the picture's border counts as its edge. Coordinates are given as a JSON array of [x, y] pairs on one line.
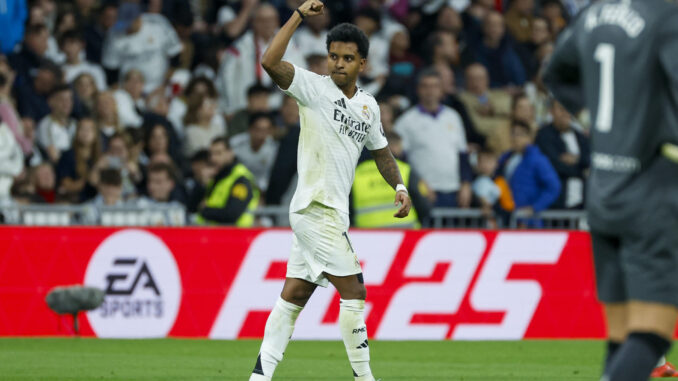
[[321, 245]]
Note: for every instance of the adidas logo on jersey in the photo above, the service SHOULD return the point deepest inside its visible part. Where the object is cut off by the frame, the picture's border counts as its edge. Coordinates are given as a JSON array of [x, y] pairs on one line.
[[340, 102], [363, 345]]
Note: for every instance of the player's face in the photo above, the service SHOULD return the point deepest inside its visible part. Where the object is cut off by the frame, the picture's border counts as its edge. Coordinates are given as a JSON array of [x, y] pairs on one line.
[[344, 63]]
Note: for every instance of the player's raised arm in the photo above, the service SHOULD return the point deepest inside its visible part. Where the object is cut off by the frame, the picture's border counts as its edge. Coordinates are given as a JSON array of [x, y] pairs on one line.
[[280, 71], [391, 173]]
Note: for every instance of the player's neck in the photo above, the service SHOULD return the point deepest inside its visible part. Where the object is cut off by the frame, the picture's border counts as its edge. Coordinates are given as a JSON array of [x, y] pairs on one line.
[[349, 90]]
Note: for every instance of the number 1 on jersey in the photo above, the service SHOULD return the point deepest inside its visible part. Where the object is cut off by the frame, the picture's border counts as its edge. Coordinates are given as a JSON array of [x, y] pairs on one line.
[[605, 55]]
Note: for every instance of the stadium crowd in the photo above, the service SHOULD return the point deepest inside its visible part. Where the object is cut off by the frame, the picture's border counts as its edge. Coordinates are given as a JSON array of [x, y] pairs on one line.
[[160, 101]]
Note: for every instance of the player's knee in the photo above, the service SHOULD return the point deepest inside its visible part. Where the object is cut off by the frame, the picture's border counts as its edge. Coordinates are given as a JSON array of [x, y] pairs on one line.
[[355, 292], [297, 296]]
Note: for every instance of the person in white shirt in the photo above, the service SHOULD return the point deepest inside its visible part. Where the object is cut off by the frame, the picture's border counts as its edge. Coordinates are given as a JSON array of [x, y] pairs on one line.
[[56, 130], [144, 42], [200, 126], [178, 107], [256, 148], [129, 99], [434, 139], [240, 67], [374, 76], [311, 38], [72, 45], [338, 120]]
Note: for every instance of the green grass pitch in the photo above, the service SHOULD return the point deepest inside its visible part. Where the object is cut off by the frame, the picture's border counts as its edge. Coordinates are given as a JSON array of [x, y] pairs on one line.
[[178, 359]]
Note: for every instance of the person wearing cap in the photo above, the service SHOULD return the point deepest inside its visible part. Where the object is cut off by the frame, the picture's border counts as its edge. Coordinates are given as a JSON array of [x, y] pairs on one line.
[[55, 131], [143, 41]]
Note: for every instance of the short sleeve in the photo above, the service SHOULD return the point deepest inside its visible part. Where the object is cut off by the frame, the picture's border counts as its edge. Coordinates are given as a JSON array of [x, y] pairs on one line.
[[376, 139], [171, 45], [305, 86], [458, 123]]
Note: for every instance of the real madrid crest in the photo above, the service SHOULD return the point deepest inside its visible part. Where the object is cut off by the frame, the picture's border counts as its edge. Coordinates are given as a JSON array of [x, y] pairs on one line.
[[366, 112]]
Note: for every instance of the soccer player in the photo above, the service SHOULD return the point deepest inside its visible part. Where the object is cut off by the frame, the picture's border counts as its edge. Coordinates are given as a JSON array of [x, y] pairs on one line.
[[338, 119], [618, 59]]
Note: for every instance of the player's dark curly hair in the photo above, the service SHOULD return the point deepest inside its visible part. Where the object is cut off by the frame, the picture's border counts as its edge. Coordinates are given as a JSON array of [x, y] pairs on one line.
[[346, 32]]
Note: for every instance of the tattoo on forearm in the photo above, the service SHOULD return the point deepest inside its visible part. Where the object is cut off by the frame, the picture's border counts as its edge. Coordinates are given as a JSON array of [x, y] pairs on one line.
[[282, 74], [387, 166]]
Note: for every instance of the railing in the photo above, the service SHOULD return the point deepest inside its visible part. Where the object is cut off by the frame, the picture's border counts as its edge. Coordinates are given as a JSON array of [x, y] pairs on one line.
[[175, 215], [65, 215]]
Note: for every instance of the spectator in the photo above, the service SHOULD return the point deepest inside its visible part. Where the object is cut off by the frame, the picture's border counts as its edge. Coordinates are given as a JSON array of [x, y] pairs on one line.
[[523, 110], [257, 101], [201, 175], [532, 180], [76, 163], [201, 129], [552, 10], [106, 117], [240, 67], [56, 130], [8, 113], [143, 42], [35, 154], [489, 109], [256, 148], [129, 99], [156, 141], [110, 188], [233, 24], [484, 188], [449, 20], [317, 63], [85, 93], [403, 66], [72, 45], [519, 19], [12, 18], [11, 161], [312, 36], [495, 51], [43, 181], [157, 110], [442, 49], [31, 92], [451, 99], [569, 153], [435, 142], [177, 108], [231, 196], [95, 32], [85, 10], [32, 52], [118, 157], [375, 74], [161, 185], [529, 50]]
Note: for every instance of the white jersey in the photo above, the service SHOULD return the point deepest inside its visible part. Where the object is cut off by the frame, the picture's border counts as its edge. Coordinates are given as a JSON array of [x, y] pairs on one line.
[[334, 130], [149, 50]]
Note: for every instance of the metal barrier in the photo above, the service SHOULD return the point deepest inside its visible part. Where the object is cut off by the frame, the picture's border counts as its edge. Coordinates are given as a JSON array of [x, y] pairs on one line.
[[65, 215], [268, 216]]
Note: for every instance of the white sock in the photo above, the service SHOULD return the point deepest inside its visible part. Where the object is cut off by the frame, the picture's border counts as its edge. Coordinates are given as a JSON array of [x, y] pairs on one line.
[[354, 332], [662, 361], [277, 334]]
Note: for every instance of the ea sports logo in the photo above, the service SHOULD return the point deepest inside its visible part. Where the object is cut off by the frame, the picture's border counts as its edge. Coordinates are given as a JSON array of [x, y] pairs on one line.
[[141, 281]]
